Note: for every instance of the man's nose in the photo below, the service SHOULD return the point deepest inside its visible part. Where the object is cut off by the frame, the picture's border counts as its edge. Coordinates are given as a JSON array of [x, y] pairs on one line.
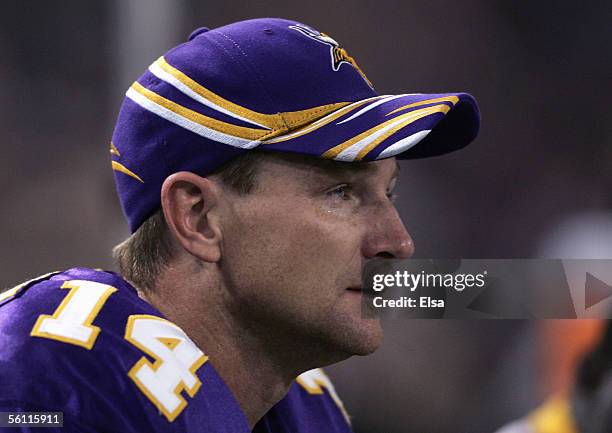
[[388, 237]]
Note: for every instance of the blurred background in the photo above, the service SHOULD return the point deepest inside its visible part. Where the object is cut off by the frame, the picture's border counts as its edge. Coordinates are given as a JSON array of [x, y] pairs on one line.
[[536, 183]]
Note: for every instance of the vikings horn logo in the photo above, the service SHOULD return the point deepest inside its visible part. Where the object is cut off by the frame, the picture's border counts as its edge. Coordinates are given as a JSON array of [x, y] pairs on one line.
[[338, 54]]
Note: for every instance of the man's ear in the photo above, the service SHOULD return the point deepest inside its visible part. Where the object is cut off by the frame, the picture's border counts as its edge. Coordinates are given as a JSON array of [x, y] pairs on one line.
[[190, 204]]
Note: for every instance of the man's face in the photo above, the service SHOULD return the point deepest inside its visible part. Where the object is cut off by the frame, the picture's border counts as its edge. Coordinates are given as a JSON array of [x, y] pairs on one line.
[[294, 249]]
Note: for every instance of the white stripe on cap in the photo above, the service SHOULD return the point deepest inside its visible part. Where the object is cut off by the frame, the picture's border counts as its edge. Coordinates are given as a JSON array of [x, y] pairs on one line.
[[173, 81], [185, 123], [321, 122], [350, 153], [373, 105], [403, 144]]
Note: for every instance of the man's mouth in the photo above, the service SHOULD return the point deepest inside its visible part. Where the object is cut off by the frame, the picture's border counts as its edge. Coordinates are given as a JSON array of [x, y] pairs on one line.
[[359, 290]]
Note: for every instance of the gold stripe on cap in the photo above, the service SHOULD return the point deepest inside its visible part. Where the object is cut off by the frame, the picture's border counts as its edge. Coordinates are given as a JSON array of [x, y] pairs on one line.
[[451, 99], [321, 122], [123, 169], [200, 119], [114, 150], [277, 122], [410, 117], [269, 120], [436, 109]]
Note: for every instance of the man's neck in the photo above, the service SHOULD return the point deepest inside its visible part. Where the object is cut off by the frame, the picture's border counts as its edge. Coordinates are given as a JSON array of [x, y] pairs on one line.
[[254, 375]]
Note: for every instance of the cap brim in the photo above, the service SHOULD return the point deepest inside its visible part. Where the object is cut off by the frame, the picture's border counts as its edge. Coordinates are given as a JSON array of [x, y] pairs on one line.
[[405, 126]]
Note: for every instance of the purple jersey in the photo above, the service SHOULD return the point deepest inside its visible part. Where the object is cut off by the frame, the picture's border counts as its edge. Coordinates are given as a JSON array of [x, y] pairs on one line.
[[310, 406], [83, 342]]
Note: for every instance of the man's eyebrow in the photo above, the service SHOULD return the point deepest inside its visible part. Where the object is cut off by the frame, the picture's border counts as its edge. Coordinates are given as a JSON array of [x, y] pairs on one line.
[[337, 168]]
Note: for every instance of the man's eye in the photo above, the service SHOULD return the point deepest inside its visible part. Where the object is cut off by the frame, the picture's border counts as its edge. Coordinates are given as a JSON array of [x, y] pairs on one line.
[[341, 192], [392, 196]]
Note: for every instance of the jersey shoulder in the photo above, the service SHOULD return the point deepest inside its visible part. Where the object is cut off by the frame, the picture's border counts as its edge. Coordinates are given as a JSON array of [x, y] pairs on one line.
[[311, 405], [62, 333], [84, 342]]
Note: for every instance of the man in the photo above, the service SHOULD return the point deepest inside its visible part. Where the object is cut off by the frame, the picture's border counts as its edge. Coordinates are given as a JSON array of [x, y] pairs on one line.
[[244, 267]]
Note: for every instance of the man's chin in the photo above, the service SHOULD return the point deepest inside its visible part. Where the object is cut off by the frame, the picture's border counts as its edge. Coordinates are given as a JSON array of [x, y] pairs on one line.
[[364, 338], [371, 340], [339, 341]]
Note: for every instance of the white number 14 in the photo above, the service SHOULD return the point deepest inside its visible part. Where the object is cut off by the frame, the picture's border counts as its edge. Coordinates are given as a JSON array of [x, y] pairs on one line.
[[177, 358]]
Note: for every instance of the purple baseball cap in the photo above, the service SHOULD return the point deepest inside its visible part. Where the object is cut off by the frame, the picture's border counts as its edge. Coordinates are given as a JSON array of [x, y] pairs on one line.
[[270, 84]]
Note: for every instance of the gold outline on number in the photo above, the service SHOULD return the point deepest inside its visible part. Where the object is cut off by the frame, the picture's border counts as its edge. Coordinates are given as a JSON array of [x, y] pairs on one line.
[[36, 332], [171, 416], [320, 385], [313, 390], [10, 292]]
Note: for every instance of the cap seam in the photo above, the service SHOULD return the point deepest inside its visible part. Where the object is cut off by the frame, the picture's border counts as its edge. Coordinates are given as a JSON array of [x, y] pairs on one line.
[[296, 125], [255, 73], [164, 146]]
